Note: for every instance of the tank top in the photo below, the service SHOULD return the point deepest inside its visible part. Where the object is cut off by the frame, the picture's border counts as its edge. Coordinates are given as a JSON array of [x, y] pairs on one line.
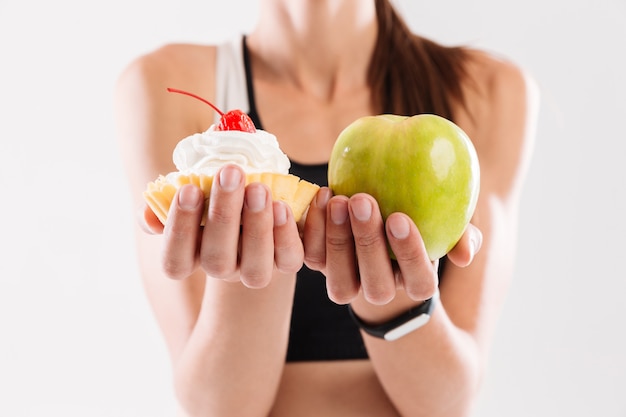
[[320, 330]]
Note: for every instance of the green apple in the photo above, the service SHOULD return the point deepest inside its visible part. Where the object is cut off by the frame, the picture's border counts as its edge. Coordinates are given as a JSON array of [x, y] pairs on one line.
[[423, 165]]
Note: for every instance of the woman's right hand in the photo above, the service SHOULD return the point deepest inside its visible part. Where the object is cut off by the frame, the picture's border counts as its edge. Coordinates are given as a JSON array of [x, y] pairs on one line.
[[246, 236]]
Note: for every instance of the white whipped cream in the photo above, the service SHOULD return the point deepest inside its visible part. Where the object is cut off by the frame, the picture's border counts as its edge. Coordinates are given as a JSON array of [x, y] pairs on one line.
[[204, 153]]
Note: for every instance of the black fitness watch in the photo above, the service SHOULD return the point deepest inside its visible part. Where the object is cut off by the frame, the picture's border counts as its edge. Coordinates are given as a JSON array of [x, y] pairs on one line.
[[401, 325]]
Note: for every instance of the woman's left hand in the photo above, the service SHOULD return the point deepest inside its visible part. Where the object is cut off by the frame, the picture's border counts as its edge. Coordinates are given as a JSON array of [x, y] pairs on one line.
[[346, 239]]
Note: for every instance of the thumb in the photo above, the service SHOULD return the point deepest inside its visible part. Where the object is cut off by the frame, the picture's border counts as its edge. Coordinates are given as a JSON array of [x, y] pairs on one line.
[[467, 247]]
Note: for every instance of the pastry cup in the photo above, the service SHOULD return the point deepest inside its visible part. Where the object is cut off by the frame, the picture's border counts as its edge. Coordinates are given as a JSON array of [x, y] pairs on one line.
[[297, 193]]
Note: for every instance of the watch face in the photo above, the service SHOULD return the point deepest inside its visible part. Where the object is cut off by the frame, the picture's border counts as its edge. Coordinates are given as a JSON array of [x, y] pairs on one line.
[[413, 324]]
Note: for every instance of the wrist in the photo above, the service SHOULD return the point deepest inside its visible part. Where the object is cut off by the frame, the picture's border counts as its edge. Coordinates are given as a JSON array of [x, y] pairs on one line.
[[396, 320]]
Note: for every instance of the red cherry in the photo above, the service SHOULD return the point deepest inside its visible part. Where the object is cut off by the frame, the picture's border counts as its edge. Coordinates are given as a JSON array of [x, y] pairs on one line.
[[231, 120], [236, 120]]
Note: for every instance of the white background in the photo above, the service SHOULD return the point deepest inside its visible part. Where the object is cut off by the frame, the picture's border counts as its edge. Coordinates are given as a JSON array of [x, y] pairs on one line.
[[76, 335]]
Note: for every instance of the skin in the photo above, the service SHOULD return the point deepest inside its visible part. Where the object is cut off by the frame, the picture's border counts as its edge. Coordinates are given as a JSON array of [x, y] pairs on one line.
[[217, 291]]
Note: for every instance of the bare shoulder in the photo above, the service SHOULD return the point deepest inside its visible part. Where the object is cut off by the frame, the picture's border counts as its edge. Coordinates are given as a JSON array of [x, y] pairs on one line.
[[500, 116], [150, 121], [492, 70], [495, 86], [184, 66]]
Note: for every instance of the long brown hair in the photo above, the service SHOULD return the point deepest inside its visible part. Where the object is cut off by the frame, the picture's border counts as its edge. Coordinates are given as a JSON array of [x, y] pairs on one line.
[[409, 74]]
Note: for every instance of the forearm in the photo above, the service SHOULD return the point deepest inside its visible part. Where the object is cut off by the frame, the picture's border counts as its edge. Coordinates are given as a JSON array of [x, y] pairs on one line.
[[234, 358], [433, 371]]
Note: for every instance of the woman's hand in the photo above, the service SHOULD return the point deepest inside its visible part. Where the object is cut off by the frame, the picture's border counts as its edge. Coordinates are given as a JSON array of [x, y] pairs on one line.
[[346, 239], [246, 235]]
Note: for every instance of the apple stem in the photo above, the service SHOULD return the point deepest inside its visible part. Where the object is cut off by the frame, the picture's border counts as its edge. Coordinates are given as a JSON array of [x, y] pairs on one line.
[[175, 90]]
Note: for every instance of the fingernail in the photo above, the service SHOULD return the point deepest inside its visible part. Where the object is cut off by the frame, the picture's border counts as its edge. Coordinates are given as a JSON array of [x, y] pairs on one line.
[[188, 198], [361, 209], [475, 241], [256, 197], [323, 195], [280, 213], [230, 177], [399, 227], [472, 246], [339, 212]]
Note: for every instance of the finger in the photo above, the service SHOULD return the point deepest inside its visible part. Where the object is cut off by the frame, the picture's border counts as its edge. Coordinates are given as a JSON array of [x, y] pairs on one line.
[[341, 272], [375, 272], [257, 237], [181, 232], [466, 248], [148, 221], [288, 250], [220, 239], [314, 236], [419, 276]]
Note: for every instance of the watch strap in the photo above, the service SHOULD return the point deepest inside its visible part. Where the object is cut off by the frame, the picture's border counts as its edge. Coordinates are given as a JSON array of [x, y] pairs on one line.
[[401, 325]]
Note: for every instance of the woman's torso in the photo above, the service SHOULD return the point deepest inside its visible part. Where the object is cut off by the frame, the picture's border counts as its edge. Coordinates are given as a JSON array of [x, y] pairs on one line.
[[306, 128]]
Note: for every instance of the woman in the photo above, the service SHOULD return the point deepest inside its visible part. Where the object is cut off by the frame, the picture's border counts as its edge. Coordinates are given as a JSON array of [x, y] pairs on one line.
[[230, 317]]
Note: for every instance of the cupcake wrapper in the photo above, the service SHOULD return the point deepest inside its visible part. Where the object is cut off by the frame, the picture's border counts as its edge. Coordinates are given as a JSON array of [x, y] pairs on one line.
[[297, 193]]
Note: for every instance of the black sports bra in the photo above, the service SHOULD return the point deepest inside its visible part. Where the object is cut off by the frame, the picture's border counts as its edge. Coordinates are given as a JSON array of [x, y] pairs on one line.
[[320, 329]]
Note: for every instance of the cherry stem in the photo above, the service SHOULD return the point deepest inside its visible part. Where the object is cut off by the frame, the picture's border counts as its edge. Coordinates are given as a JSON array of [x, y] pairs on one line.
[[175, 90]]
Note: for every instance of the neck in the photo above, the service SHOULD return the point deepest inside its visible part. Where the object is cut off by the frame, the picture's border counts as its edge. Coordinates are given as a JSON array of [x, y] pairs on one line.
[[322, 47]]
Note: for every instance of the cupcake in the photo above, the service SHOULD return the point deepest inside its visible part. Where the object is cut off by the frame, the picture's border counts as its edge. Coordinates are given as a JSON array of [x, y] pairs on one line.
[[234, 140]]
